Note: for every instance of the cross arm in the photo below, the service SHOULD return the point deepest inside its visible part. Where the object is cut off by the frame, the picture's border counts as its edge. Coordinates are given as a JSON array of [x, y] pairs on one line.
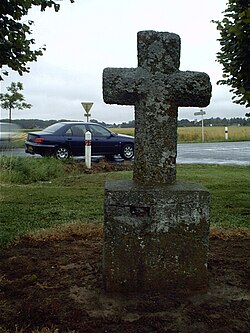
[[122, 85], [190, 88]]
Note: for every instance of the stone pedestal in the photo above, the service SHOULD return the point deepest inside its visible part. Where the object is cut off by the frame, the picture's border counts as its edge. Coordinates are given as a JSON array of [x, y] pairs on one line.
[[155, 238]]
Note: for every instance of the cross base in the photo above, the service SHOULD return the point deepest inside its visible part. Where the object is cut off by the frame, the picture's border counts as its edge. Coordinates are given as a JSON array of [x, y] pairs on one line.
[[155, 238]]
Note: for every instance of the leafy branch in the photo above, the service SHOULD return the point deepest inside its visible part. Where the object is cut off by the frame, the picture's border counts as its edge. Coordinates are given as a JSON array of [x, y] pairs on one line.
[[15, 41], [235, 52]]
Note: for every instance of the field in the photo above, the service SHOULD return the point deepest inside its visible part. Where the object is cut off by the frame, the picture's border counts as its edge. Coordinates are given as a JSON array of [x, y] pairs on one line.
[[215, 134], [51, 250], [193, 134]]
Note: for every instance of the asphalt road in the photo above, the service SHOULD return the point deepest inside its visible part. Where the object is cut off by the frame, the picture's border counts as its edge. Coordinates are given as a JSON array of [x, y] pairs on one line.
[[234, 153]]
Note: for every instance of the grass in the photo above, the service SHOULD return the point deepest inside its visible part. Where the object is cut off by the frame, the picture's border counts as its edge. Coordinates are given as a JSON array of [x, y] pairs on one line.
[[44, 206], [56, 193], [214, 134], [211, 134], [21, 171], [230, 190]]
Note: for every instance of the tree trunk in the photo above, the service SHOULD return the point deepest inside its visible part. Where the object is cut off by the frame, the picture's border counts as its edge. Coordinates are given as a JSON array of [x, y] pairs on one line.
[[10, 109]]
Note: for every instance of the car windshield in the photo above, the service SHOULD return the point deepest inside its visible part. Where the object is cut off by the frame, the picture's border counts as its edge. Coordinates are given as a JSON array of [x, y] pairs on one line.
[[53, 128]]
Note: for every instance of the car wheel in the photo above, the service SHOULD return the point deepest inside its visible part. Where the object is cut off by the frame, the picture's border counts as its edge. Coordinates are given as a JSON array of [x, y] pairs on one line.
[[62, 153], [127, 151]]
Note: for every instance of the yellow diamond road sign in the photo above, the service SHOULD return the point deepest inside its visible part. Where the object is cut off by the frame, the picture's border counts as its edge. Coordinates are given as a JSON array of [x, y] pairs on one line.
[[87, 106]]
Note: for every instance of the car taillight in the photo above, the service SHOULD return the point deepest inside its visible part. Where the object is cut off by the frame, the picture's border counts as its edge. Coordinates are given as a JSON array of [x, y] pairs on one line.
[[39, 140]]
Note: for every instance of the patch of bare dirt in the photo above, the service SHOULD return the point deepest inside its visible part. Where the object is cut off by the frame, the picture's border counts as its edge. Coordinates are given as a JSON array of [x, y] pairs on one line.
[[52, 282]]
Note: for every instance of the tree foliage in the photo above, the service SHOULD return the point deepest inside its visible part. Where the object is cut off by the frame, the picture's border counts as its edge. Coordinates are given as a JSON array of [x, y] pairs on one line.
[[15, 42], [14, 99], [235, 49]]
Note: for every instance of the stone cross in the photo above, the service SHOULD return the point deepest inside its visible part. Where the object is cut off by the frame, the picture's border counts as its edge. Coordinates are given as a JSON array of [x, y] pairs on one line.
[[156, 88]]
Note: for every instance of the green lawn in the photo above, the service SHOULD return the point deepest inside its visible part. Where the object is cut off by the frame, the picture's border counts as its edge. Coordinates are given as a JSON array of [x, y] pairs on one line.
[[61, 193], [230, 192]]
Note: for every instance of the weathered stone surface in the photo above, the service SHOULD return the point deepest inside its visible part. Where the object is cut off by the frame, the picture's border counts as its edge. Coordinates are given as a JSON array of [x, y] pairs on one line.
[[155, 238], [156, 230], [156, 88]]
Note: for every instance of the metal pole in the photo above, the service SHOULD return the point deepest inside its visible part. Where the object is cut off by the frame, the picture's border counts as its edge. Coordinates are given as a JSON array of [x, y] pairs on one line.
[[202, 129], [201, 113]]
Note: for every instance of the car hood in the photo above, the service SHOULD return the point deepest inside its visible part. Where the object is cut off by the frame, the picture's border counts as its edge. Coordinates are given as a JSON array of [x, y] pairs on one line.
[[125, 136]]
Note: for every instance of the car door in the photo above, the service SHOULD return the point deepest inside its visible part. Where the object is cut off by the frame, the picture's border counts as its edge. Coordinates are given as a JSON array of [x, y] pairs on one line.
[[103, 142], [75, 137]]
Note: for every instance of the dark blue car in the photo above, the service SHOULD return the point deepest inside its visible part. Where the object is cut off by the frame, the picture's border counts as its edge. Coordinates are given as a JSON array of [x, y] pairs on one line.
[[65, 139]]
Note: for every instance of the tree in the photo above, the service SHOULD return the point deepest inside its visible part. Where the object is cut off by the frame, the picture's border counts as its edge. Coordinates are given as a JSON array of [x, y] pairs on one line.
[[15, 44], [247, 115], [235, 52], [14, 99]]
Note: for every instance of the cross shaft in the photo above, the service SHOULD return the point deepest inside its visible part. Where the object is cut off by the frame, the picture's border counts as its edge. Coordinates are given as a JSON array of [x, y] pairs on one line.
[[156, 88]]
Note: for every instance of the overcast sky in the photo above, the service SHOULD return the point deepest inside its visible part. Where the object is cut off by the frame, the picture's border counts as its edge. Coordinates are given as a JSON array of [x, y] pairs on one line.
[[85, 37]]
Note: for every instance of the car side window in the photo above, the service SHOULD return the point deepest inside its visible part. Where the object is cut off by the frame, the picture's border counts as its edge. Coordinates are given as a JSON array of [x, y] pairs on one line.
[[98, 131], [68, 132], [76, 130]]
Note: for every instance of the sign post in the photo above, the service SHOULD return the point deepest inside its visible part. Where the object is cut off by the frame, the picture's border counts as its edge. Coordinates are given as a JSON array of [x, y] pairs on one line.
[[87, 106], [88, 149], [201, 113]]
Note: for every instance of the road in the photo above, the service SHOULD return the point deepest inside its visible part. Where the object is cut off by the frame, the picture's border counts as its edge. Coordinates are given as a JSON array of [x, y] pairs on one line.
[[234, 153]]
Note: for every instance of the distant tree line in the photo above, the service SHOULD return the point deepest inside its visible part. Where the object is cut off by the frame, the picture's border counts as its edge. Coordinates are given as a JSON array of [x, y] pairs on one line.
[[39, 124], [187, 123], [215, 122], [33, 123]]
